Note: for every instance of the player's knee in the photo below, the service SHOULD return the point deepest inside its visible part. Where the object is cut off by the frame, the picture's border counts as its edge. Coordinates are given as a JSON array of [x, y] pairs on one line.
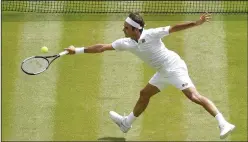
[[144, 94], [194, 97]]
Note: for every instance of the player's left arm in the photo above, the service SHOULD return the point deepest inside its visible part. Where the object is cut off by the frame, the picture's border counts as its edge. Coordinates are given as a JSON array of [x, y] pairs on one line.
[[203, 18]]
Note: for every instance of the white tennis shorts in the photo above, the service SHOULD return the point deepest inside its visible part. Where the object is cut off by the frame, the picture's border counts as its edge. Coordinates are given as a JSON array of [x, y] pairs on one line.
[[177, 77]]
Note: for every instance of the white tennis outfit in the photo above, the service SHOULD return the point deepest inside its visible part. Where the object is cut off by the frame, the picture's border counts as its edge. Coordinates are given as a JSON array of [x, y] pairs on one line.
[[171, 69]]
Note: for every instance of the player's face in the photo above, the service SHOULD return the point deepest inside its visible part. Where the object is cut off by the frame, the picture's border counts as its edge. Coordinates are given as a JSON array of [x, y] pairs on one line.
[[128, 31]]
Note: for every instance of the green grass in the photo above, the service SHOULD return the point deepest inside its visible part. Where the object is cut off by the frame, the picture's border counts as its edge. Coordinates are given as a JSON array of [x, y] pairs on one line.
[[237, 75], [80, 110], [10, 69], [76, 119]]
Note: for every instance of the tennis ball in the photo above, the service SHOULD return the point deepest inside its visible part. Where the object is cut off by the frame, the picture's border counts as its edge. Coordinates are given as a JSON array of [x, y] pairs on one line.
[[44, 49]]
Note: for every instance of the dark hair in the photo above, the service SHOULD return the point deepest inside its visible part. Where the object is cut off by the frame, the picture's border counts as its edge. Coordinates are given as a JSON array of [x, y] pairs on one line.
[[135, 16]]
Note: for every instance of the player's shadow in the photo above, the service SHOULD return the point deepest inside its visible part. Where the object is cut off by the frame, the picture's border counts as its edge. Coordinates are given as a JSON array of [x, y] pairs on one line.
[[112, 139]]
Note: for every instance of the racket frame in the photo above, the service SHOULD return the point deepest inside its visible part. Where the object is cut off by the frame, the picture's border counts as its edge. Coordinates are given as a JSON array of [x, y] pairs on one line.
[[43, 57]]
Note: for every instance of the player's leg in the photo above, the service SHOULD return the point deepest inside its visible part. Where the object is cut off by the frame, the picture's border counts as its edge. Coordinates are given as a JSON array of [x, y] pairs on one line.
[[194, 96], [154, 86], [184, 83], [125, 122], [156, 83], [144, 98]]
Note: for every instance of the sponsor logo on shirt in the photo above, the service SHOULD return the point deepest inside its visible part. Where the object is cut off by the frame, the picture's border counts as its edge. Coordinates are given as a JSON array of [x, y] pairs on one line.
[[143, 40], [185, 84]]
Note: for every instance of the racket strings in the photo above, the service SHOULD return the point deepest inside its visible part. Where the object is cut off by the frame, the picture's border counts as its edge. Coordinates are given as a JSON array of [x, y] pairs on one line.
[[35, 65]]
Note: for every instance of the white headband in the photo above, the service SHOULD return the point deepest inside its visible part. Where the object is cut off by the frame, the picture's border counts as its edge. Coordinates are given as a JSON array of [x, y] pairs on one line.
[[133, 23]]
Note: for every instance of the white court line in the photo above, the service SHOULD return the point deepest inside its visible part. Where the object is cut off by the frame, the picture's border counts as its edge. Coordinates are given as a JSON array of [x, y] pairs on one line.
[[121, 81], [205, 55], [34, 97]]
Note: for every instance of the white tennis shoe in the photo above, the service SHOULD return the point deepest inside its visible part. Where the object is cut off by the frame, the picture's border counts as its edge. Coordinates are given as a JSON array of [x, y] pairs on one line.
[[226, 129], [120, 121]]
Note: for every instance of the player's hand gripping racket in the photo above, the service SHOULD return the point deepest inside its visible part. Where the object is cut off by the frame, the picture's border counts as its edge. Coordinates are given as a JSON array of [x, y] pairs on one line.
[[37, 64]]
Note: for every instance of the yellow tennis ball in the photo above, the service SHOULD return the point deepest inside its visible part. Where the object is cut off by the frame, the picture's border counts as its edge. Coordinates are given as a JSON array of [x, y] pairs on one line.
[[44, 49]]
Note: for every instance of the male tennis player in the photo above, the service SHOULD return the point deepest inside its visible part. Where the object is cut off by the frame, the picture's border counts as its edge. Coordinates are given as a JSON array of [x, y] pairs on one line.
[[171, 69]]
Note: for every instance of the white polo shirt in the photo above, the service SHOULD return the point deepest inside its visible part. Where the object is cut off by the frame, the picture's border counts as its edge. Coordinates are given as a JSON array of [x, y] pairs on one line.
[[150, 48]]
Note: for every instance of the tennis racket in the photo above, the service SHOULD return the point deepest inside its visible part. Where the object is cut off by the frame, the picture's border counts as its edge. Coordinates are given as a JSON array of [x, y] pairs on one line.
[[37, 64]]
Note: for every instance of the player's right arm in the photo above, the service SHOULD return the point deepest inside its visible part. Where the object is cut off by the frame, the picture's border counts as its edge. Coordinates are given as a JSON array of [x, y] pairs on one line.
[[118, 45], [97, 48]]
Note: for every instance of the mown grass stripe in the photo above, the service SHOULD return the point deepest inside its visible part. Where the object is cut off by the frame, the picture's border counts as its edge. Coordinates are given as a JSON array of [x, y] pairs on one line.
[[34, 98], [10, 69], [205, 54], [162, 119], [77, 109], [121, 81], [236, 45]]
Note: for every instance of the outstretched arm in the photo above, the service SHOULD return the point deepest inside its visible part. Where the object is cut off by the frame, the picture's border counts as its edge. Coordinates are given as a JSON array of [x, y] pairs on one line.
[[98, 48], [205, 17]]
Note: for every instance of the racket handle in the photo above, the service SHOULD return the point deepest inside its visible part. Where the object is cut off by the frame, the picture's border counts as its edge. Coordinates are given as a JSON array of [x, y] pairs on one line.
[[63, 53]]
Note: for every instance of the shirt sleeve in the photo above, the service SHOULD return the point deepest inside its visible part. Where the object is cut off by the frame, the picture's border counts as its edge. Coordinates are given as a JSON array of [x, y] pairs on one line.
[[161, 31], [119, 45]]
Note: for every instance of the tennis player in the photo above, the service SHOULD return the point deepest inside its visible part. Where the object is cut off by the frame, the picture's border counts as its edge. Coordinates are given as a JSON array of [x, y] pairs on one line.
[[171, 69]]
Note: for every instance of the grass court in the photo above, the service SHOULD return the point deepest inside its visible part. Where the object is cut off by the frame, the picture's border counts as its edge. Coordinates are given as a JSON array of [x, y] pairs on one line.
[[71, 100]]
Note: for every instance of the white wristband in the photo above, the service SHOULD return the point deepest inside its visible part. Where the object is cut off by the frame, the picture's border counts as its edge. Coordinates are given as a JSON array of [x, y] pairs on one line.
[[79, 50]]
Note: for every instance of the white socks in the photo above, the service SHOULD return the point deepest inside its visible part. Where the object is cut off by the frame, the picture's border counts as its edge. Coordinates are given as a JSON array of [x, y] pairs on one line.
[[221, 120], [130, 119]]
